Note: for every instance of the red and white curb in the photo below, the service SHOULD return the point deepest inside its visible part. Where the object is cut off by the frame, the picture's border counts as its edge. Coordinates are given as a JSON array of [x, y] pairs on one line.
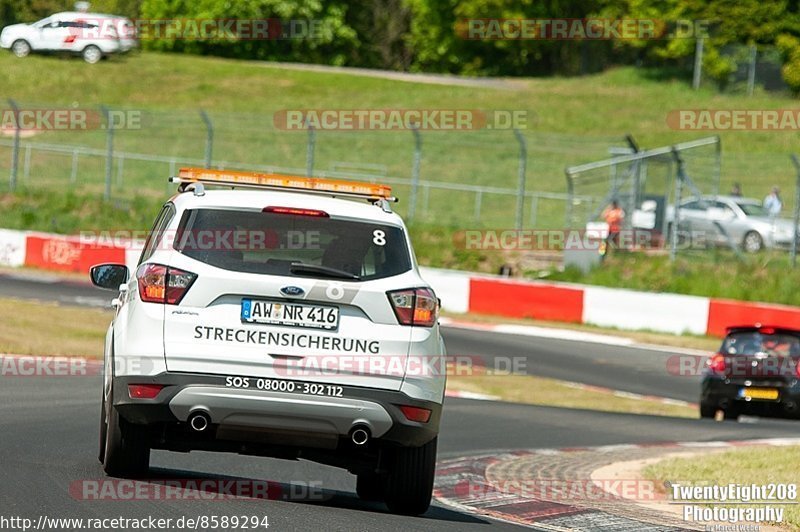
[[539, 332], [579, 386], [555, 333], [471, 395], [629, 395], [461, 482]]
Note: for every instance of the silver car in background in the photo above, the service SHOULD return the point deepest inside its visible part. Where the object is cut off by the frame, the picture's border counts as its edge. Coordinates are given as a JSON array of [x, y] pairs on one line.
[[733, 219]]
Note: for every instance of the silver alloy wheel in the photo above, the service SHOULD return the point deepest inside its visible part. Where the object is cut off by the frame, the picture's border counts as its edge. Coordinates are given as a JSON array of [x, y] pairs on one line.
[[753, 242], [92, 54], [21, 48]]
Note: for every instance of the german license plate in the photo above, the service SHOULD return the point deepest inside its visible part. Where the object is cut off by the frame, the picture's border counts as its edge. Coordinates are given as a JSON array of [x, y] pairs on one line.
[[292, 314], [763, 394]]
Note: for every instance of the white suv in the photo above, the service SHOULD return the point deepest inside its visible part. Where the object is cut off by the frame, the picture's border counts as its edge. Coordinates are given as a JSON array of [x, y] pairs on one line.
[[91, 35], [288, 320]]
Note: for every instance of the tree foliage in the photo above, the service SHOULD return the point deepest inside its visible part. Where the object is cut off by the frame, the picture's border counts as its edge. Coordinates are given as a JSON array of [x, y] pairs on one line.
[[428, 36]]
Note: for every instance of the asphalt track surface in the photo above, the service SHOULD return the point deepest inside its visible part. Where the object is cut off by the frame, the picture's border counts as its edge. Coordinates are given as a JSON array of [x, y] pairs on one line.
[[49, 434]]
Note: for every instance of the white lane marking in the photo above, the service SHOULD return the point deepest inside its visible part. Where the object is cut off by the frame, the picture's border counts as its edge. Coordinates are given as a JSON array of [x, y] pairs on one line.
[[540, 332], [566, 334], [43, 278], [471, 395], [88, 301]]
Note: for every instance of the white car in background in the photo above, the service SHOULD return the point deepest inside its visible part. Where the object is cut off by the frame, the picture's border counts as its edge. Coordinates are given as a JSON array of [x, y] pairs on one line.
[[91, 35]]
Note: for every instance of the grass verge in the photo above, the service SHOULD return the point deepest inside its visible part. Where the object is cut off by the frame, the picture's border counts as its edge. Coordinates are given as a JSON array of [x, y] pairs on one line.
[[755, 465], [687, 341], [766, 276], [533, 390], [44, 329]]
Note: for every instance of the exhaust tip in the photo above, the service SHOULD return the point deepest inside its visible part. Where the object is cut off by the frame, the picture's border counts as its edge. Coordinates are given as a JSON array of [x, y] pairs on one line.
[[359, 435], [199, 421]]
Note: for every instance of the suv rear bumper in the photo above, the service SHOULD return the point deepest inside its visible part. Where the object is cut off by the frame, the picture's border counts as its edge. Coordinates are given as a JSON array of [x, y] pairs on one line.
[[236, 410]]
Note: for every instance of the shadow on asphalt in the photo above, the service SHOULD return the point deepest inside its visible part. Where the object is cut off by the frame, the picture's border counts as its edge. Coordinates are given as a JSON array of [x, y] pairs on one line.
[[287, 492]]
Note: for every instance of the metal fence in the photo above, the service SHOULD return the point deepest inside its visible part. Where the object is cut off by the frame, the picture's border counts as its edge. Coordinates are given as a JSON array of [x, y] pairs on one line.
[[641, 175], [649, 184], [500, 178], [753, 67]]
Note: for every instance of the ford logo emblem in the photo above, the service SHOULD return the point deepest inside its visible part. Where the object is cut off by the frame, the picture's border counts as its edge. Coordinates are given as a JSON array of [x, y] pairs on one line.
[[292, 291]]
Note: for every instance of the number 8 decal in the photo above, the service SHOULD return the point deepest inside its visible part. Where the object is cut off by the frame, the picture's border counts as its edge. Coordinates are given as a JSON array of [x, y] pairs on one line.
[[379, 237]]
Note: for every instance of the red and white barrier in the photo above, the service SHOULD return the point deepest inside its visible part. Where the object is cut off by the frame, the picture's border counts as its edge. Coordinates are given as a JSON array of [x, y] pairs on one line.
[[12, 248], [628, 309], [464, 292], [68, 254], [606, 307]]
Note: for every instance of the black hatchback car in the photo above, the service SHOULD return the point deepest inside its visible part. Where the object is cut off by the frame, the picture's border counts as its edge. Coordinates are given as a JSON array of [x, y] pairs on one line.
[[756, 371]]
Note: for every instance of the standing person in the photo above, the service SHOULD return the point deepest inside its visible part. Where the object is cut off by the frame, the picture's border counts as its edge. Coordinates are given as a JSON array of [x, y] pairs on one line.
[[613, 216], [773, 202], [736, 190]]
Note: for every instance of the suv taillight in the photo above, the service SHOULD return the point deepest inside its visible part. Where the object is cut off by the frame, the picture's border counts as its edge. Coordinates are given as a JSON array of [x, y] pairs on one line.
[[717, 363], [162, 284], [415, 306]]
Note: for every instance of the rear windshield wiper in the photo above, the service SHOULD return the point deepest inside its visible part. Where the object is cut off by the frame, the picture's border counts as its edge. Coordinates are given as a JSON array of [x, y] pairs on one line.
[[302, 267]]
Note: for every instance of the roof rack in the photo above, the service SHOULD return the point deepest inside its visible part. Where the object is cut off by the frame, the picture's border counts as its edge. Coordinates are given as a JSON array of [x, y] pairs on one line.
[[290, 183]]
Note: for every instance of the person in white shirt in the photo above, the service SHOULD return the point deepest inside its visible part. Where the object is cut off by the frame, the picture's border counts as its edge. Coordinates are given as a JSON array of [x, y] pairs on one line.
[[773, 202]]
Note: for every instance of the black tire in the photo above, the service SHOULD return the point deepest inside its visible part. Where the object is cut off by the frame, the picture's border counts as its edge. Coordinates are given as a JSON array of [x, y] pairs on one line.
[[103, 429], [127, 450], [732, 414], [21, 48], [370, 487], [708, 410], [409, 484], [752, 242]]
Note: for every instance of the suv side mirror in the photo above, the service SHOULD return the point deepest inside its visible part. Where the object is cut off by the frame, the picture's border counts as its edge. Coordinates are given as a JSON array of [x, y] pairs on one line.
[[109, 276]]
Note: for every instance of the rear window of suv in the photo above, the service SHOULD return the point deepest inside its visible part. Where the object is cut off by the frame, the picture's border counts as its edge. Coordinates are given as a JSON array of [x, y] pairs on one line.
[[275, 243]]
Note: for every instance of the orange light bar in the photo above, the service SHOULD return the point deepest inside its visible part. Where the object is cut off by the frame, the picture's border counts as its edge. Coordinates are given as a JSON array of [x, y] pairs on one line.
[[230, 177]]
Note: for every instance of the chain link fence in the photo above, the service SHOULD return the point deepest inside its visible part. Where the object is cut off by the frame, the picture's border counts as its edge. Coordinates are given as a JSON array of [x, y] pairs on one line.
[[649, 184], [641, 182], [480, 178], [753, 67]]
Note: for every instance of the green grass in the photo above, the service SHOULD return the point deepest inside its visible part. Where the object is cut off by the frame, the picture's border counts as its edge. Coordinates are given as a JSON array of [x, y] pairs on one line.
[[70, 212], [756, 465], [577, 119], [75, 331], [534, 390], [71, 331], [716, 273]]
